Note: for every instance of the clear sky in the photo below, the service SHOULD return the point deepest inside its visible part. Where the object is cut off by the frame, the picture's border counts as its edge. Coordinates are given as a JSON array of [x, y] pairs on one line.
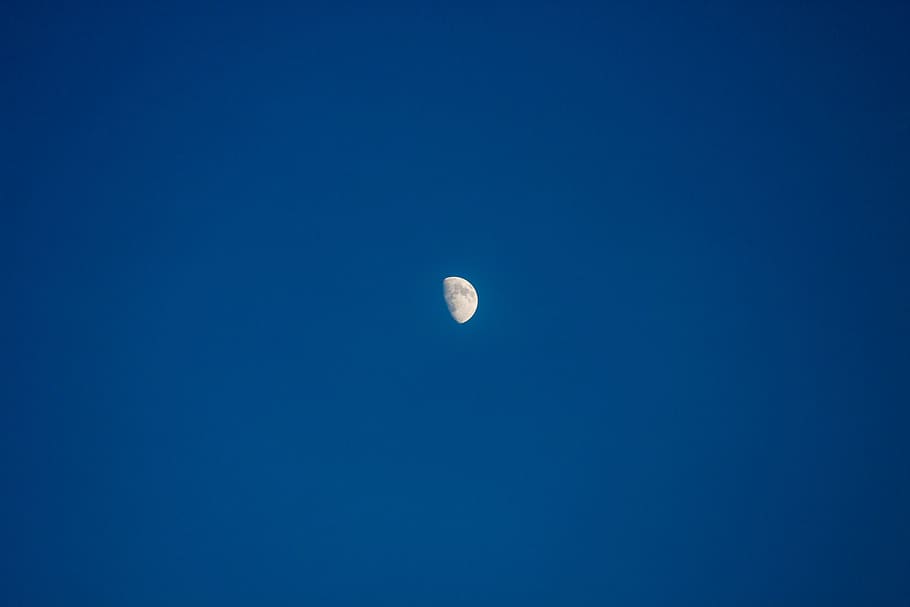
[[229, 375]]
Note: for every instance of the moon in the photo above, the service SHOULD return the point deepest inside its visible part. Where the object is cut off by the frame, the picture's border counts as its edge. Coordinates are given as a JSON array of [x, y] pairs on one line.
[[461, 298]]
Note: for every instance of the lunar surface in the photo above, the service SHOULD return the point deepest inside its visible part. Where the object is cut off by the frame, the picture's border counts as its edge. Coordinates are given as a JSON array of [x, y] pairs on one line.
[[461, 298]]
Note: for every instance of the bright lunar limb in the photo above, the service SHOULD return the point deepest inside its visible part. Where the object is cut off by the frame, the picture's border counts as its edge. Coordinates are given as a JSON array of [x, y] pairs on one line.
[[461, 298]]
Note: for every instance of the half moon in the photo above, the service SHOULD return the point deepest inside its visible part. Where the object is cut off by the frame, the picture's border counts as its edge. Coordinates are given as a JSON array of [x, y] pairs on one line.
[[461, 298]]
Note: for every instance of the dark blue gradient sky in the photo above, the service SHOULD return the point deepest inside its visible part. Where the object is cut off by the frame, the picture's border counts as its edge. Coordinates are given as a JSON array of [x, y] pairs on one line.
[[230, 378]]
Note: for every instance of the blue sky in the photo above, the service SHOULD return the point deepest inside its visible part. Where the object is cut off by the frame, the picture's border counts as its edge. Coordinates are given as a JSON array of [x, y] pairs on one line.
[[231, 377]]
